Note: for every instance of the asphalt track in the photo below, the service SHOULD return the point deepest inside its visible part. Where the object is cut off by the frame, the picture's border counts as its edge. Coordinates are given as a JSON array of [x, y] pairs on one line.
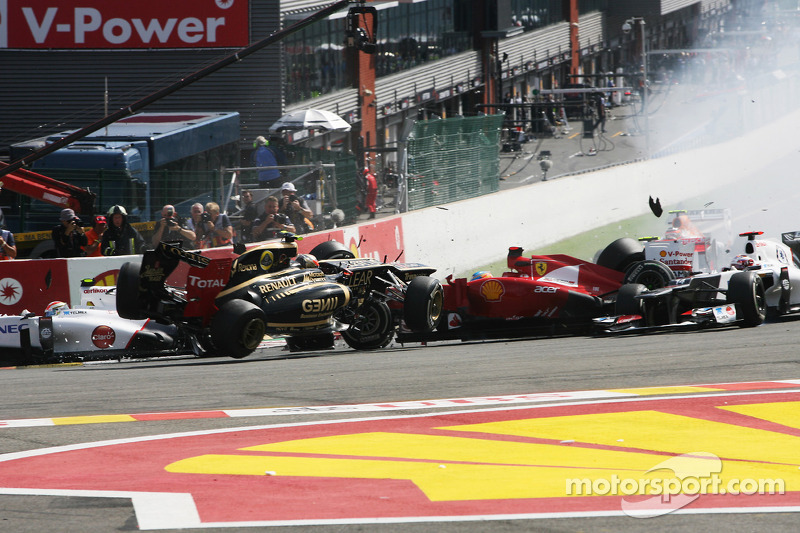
[[293, 466]]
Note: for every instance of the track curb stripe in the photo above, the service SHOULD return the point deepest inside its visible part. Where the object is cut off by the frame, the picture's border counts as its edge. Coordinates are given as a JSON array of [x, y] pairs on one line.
[[404, 405]]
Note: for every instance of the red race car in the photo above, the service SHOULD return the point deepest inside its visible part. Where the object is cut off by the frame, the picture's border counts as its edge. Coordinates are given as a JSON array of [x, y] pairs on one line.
[[541, 294]]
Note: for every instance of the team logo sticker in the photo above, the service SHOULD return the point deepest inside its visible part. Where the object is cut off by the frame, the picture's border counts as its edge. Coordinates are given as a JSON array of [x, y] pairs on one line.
[[103, 336], [492, 290], [541, 268]]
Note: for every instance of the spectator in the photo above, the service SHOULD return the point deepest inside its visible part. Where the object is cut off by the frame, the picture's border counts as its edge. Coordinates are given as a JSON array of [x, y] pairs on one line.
[[249, 214], [271, 222], [372, 191], [217, 227], [194, 223], [170, 228], [8, 248], [264, 157], [94, 237], [295, 207], [121, 238], [68, 236]]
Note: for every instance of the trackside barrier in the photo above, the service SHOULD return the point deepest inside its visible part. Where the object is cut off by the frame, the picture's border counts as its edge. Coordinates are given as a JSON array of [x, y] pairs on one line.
[[451, 237]]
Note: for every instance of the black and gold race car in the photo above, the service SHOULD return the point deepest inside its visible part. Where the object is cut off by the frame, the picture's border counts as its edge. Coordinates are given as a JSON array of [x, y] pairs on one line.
[[226, 305]]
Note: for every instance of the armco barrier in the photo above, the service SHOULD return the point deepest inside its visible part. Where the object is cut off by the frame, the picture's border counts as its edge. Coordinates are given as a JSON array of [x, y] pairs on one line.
[[463, 235]]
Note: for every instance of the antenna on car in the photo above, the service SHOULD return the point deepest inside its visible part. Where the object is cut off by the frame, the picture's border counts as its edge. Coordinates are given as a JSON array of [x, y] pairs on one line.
[[399, 256]]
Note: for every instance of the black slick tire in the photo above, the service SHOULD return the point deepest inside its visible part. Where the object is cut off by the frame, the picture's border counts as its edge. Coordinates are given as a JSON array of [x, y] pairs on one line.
[[424, 300], [238, 328], [746, 290]]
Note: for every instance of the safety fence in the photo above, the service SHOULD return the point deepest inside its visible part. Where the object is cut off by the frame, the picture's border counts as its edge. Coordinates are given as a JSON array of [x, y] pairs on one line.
[[453, 159]]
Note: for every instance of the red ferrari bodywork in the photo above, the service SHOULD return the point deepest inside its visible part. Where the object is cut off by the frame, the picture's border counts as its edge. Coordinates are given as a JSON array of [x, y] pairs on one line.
[[541, 290]]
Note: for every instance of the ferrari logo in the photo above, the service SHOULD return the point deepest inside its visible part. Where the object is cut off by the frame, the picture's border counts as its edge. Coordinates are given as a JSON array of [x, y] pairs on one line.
[[541, 268]]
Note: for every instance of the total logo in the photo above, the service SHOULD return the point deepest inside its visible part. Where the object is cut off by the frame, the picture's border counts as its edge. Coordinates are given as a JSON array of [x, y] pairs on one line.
[[103, 336]]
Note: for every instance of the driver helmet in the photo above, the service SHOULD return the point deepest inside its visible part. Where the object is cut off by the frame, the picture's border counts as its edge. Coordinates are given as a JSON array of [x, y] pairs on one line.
[[55, 308], [741, 262], [481, 274], [307, 261]]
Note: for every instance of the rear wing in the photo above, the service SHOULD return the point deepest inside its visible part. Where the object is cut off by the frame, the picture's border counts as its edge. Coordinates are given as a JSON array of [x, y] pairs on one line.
[[792, 240]]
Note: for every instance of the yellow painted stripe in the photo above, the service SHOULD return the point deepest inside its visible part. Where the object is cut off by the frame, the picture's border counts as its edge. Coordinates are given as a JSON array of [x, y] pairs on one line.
[[96, 419], [785, 413], [647, 391], [653, 430]]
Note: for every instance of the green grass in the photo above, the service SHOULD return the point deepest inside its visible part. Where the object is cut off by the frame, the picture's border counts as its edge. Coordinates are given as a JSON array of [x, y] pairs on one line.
[[586, 245]]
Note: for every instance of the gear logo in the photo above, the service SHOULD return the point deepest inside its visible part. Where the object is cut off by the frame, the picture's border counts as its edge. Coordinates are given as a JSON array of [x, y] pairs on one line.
[[10, 291]]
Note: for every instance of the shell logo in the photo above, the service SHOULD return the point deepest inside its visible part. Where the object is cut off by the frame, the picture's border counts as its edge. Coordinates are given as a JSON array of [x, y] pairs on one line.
[[107, 278], [663, 253], [492, 290]]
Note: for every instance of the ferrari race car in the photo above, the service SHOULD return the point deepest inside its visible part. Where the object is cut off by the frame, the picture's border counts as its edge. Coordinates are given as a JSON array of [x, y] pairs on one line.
[[541, 294], [764, 277], [91, 331], [227, 305]]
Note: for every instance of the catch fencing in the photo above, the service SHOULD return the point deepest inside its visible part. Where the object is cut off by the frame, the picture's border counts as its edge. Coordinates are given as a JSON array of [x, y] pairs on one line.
[[453, 159]]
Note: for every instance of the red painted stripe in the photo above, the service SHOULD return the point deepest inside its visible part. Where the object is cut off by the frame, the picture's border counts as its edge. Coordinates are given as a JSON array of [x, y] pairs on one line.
[[180, 416]]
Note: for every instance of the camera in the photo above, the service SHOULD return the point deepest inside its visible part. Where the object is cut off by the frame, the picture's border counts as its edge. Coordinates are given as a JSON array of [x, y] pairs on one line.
[[206, 216], [171, 221], [76, 221], [170, 213], [292, 198]]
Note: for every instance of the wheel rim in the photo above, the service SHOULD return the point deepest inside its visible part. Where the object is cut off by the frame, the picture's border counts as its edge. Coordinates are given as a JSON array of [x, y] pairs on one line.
[[651, 280], [760, 300], [253, 333], [435, 307], [369, 321]]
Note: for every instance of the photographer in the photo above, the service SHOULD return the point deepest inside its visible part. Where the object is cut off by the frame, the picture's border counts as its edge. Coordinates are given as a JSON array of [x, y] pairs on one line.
[[68, 236], [271, 222], [295, 207], [217, 227], [170, 229]]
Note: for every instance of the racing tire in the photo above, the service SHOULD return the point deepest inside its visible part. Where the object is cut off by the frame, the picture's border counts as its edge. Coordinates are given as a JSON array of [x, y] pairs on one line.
[[620, 254], [652, 274], [238, 328], [422, 310], [332, 250], [746, 290], [128, 304], [627, 302], [373, 329]]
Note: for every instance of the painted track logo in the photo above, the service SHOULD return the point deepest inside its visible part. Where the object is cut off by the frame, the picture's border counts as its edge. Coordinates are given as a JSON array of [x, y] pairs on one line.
[[474, 465]]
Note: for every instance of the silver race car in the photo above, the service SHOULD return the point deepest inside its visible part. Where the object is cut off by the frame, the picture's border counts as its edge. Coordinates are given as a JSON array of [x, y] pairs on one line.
[[92, 330], [764, 277]]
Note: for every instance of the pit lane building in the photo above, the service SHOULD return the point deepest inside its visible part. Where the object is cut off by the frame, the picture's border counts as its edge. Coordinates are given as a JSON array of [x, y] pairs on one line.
[[67, 62]]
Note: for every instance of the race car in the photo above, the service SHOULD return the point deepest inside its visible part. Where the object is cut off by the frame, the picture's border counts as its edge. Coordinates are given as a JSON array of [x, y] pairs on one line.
[[226, 305], [90, 331], [541, 294], [695, 241], [764, 277]]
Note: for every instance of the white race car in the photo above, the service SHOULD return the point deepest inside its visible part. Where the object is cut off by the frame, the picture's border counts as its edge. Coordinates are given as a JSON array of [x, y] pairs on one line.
[[764, 276], [92, 330]]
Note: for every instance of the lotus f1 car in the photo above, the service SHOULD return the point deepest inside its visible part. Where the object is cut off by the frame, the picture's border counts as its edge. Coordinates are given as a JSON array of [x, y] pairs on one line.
[[92, 330], [764, 277], [227, 305]]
